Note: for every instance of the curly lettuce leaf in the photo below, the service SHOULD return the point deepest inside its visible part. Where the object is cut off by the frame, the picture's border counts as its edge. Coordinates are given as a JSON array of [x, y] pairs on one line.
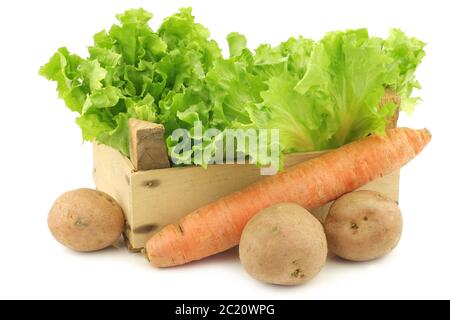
[[346, 77], [295, 115], [315, 94], [63, 69], [406, 54], [135, 72], [236, 44]]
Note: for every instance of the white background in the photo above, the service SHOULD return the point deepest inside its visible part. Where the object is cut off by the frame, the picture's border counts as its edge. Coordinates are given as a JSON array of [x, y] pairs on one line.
[[42, 156]]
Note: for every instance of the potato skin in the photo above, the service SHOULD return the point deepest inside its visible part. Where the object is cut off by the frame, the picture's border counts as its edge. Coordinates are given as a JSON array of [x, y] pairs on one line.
[[283, 244], [363, 225], [86, 220]]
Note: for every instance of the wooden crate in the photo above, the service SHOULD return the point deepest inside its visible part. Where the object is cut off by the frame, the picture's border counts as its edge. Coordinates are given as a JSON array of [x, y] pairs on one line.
[[152, 199]]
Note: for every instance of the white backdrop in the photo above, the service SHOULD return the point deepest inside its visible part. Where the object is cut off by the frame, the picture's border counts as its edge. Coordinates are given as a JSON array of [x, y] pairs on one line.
[[42, 156]]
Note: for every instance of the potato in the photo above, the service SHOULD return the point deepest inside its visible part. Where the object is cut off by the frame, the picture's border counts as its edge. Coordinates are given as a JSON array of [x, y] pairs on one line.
[[363, 225], [284, 245], [86, 220]]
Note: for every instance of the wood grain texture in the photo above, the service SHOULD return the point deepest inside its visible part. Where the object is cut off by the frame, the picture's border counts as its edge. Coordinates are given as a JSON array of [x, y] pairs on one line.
[[148, 148], [112, 175], [155, 198]]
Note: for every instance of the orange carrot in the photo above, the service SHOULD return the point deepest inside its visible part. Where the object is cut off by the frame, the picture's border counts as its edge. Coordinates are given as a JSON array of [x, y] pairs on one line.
[[217, 227]]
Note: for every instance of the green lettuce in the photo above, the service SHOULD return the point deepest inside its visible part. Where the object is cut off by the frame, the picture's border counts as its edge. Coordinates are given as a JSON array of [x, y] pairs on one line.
[[317, 94], [406, 54]]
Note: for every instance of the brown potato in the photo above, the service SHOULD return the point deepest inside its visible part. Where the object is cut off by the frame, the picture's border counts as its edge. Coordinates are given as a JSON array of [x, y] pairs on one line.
[[363, 225], [284, 245], [86, 220]]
